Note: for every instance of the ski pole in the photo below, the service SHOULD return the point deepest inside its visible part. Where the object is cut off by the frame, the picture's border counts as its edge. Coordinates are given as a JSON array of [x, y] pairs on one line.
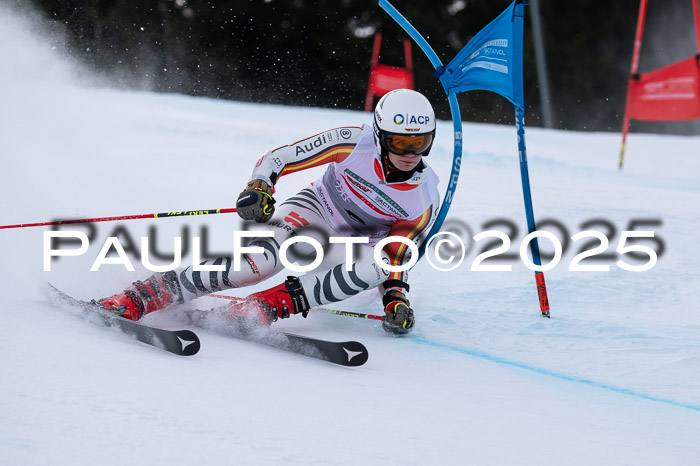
[[223, 296], [347, 313], [318, 309], [125, 217]]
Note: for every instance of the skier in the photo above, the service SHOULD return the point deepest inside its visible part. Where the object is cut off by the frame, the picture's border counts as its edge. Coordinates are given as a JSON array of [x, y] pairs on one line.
[[377, 185]]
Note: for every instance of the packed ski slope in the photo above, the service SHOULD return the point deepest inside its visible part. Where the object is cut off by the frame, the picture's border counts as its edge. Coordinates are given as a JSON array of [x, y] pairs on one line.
[[612, 378]]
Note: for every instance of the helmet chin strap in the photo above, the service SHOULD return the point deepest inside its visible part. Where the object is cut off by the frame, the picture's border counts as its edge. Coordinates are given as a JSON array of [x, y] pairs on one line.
[[393, 174]]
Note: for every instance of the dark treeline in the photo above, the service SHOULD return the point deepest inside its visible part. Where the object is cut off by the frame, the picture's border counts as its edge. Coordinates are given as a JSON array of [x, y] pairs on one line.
[[317, 53]]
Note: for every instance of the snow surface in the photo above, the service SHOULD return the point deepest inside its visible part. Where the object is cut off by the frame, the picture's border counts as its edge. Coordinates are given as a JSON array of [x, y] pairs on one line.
[[612, 378]]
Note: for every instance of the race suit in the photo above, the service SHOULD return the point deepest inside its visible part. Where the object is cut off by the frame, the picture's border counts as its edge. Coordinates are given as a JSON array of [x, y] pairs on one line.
[[352, 199]]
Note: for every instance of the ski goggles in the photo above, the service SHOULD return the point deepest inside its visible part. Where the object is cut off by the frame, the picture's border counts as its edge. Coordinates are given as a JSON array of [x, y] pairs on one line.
[[402, 144]]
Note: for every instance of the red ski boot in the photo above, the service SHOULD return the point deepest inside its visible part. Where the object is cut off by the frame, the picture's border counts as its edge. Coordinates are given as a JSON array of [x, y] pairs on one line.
[[267, 306], [143, 297]]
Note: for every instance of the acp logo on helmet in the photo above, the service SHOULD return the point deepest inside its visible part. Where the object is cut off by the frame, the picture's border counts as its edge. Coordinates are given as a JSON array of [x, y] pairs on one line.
[[400, 119]]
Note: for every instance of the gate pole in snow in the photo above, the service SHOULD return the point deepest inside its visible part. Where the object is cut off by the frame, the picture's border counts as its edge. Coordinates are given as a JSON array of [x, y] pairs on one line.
[[529, 213], [633, 71]]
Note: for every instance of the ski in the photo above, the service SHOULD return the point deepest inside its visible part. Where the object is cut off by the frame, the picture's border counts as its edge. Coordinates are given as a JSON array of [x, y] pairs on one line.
[[180, 342], [345, 353]]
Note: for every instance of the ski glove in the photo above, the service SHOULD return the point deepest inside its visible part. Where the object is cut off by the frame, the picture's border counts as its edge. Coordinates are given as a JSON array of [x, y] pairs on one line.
[[398, 315], [256, 202]]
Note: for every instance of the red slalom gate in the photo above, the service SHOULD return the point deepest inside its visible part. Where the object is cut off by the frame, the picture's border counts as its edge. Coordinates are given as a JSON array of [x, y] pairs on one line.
[[671, 93]]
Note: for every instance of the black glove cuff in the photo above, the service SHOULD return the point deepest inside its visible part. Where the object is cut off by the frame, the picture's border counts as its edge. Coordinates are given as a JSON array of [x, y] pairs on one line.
[[396, 284]]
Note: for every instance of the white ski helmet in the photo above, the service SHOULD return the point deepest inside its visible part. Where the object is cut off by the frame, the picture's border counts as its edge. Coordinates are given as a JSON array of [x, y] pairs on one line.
[[404, 122]]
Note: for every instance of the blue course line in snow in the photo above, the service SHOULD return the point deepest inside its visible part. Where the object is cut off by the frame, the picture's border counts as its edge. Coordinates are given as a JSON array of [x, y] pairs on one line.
[[557, 375]]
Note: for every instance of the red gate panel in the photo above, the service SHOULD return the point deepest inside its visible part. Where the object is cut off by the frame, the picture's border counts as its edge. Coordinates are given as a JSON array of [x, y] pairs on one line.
[[671, 93]]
